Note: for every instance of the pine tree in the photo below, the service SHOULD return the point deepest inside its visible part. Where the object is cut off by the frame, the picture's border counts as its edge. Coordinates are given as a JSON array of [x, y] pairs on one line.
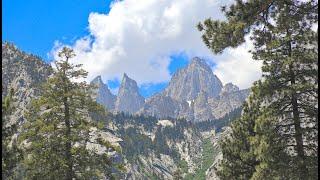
[[59, 128], [287, 45], [11, 154], [268, 149], [239, 160]]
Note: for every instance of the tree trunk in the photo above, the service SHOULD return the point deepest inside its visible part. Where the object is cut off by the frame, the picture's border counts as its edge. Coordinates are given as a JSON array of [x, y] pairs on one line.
[[298, 135]]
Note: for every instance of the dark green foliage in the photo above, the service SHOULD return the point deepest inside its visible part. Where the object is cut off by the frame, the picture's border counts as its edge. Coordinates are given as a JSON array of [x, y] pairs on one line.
[[239, 160], [161, 145], [11, 154], [135, 143], [284, 140], [148, 122], [183, 166]]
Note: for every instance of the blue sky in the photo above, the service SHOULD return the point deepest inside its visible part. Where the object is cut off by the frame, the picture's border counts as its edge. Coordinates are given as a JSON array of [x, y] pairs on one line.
[[34, 25]]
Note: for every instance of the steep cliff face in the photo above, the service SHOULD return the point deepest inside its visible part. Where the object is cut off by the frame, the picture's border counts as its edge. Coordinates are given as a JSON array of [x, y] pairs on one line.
[[129, 100], [102, 94], [23, 73], [160, 106], [188, 82], [227, 101], [200, 107], [165, 106]]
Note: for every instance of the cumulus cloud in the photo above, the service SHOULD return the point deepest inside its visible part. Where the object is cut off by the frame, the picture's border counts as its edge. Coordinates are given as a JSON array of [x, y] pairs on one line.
[[138, 37], [237, 65]]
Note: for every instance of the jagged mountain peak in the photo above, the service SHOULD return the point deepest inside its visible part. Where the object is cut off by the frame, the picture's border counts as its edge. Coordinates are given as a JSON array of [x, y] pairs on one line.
[[194, 93], [129, 99], [229, 88], [103, 94], [196, 61], [127, 81], [187, 83]]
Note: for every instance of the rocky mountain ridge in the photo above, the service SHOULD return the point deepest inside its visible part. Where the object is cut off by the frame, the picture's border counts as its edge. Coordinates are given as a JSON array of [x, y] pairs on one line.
[[193, 93], [102, 94], [23, 73]]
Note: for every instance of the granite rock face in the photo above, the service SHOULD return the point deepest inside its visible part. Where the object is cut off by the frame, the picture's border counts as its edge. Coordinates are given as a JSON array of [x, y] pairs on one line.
[[143, 142], [102, 94], [188, 82], [227, 101], [160, 106], [200, 107], [165, 106], [129, 100], [24, 73]]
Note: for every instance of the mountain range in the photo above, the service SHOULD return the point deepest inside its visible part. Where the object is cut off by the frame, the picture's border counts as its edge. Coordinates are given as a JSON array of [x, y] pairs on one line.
[[194, 93]]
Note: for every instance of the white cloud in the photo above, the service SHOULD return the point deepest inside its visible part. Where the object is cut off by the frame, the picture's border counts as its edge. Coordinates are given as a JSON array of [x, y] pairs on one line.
[[138, 37], [237, 66]]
